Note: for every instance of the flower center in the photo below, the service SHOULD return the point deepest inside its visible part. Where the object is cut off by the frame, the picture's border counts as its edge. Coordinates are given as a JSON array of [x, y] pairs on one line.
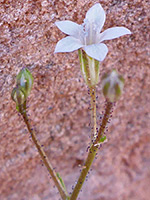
[[89, 32]]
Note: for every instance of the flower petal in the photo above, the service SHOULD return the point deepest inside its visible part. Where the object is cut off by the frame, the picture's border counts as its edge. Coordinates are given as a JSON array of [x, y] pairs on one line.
[[69, 28], [68, 44], [112, 33], [96, 51], [96, 15]]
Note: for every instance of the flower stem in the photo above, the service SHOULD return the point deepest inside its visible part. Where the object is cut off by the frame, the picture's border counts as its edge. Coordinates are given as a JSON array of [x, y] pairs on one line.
[[92, 152], [93, 112], [44, 157]]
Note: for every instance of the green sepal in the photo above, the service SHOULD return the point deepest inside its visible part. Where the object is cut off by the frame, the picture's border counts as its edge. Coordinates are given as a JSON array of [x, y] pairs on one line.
[[97, 70], [18, 96], [112, 86], [105, 88], [25, 80], [89, 68], [61, 181], [84, 66], [121, 78], [118, 90]]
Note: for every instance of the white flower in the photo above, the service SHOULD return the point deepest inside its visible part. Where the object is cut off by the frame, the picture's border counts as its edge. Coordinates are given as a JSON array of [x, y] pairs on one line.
[[87, 35]]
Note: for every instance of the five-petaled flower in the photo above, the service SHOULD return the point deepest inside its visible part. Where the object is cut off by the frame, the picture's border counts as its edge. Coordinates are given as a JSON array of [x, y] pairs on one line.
[[87, 35]]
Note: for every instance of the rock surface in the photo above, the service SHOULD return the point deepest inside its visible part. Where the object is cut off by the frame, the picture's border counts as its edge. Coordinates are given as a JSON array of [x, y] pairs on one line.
[[59, 102]]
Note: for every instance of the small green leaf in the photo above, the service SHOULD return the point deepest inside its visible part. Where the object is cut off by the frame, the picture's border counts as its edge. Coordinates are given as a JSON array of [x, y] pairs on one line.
[[103, 139]]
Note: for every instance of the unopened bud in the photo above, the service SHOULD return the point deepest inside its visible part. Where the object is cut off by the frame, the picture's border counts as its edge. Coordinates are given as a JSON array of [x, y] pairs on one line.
[[112, 86], [18, 96], [25, 80]]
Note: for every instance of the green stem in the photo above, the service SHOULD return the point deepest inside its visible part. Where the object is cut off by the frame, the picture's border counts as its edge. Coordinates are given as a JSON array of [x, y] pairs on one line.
[[92, 152], [93, 112], [44, 157]]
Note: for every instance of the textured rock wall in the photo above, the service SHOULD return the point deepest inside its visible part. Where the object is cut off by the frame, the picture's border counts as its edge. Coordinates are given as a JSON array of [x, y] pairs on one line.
[[58, 104]]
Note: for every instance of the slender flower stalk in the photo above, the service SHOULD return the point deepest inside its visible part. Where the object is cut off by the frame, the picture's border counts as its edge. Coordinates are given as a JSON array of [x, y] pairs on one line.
[[92, 152], [62, 191], [88, 68], [93, 113]]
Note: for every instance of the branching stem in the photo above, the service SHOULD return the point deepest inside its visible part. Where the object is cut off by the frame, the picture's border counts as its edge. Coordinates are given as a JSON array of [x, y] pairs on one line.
[[92, 152]]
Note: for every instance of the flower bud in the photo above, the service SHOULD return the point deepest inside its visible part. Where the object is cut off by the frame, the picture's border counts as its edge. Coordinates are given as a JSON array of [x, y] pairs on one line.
[[18, 95], [112, 86], [25, 80]]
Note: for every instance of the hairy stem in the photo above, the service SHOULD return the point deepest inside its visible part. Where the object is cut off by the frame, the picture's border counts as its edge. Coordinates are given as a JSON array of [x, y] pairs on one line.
[[44, 157], [93, 112], [92, 152]]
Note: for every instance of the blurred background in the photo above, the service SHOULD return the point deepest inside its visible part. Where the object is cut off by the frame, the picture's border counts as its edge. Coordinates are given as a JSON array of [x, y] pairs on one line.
[[59, 103]]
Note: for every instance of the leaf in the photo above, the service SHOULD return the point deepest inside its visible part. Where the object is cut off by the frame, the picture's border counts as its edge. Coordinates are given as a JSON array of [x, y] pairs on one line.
[[103, 139]]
